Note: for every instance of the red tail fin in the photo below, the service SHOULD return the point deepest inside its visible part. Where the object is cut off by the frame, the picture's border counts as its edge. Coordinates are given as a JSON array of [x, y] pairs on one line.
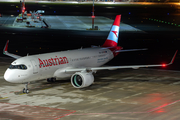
[[112, 38]]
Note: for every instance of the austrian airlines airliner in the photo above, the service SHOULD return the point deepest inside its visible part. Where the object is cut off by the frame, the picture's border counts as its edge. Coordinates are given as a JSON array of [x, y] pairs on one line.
[[79, 64]]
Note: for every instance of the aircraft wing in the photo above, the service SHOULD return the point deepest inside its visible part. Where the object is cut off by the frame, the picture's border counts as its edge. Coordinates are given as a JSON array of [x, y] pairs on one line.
[[118, 67], [9, 54]]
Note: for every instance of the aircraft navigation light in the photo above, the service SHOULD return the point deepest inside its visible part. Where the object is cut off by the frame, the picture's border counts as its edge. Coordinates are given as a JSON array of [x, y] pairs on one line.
[[164, 65]]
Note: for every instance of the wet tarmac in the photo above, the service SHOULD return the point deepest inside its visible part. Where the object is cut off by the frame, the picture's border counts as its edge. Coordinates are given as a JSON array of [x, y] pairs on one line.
[[119, 94]]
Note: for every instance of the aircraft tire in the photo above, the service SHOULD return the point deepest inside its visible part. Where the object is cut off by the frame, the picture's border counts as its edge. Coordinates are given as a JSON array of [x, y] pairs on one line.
[[27, 91], [53, 79], [48, 80], [24, 91]]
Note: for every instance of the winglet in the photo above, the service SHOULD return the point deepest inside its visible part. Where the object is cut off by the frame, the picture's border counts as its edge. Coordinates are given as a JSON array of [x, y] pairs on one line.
[[173, 58], [9, 54], [6, 47]]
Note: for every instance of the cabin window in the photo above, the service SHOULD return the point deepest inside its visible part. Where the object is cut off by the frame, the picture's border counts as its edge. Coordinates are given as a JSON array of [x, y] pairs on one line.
[[22, 67]]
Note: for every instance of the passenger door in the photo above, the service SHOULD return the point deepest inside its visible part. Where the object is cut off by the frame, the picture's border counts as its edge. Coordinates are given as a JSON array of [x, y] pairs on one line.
[[35, 67]]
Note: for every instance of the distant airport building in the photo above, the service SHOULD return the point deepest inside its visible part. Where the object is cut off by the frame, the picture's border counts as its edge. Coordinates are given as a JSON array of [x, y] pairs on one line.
[[166, 1], [113, 0]]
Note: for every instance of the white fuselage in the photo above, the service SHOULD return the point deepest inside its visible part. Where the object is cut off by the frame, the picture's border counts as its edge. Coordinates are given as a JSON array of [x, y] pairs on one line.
[[50, 65]]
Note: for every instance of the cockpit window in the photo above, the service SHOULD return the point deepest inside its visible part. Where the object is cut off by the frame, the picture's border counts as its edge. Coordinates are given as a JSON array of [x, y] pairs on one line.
[[22, 67]]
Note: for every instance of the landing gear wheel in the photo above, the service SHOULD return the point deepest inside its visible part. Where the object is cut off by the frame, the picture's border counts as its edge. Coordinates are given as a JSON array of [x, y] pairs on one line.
[[26, 90], [51, 80], [48, 80]]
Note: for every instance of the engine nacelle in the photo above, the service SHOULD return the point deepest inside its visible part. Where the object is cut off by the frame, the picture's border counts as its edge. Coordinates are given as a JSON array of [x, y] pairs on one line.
[[82, 79]]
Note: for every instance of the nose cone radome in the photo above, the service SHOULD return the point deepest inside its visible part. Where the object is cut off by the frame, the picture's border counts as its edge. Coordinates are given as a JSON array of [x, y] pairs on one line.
[[14, 76], [11, 76], [7, 76]]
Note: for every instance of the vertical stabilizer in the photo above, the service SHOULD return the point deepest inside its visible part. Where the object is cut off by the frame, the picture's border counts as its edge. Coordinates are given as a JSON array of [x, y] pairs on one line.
[[112, 38]]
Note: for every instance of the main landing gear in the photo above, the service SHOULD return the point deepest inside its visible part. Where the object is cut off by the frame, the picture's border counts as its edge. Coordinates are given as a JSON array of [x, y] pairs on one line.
[[26, 90], [51, 80]]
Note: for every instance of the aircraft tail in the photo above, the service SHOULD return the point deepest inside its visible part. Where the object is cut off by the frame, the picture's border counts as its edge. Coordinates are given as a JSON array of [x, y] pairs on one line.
[[112, 38]]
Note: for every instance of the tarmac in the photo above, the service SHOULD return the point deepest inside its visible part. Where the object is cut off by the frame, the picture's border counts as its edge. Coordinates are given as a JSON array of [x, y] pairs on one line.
[[73, 23], [122, 94]]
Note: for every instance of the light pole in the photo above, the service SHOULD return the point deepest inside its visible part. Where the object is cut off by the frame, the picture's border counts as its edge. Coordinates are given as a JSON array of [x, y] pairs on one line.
[[93, 16], [22, 8]]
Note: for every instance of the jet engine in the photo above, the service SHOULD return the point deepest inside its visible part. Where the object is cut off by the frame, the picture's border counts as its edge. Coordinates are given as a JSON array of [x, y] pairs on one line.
[[82, 79]]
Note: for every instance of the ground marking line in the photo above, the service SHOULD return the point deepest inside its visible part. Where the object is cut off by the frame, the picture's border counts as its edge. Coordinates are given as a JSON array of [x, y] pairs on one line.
[[162, 106], [63, 112], [65, 115], [14, 20], [5, 21], [149, 111], [3, 98]]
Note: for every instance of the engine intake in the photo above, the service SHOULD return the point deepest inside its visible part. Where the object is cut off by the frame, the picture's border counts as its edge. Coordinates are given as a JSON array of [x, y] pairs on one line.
[[82, 79]]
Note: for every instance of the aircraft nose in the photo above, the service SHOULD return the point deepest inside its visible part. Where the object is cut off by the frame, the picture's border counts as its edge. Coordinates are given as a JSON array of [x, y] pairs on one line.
[[7, 76], [13, 76]]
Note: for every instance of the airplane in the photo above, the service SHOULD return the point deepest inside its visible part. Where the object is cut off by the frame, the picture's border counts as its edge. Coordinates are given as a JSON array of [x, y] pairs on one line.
[[78, 65]]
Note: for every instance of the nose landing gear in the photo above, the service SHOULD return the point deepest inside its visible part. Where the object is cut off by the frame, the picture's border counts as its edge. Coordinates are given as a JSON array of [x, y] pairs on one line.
[[26, 90]]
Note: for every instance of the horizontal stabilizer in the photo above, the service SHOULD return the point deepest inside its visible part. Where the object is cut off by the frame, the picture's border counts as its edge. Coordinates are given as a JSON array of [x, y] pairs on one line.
[[130, 50]]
